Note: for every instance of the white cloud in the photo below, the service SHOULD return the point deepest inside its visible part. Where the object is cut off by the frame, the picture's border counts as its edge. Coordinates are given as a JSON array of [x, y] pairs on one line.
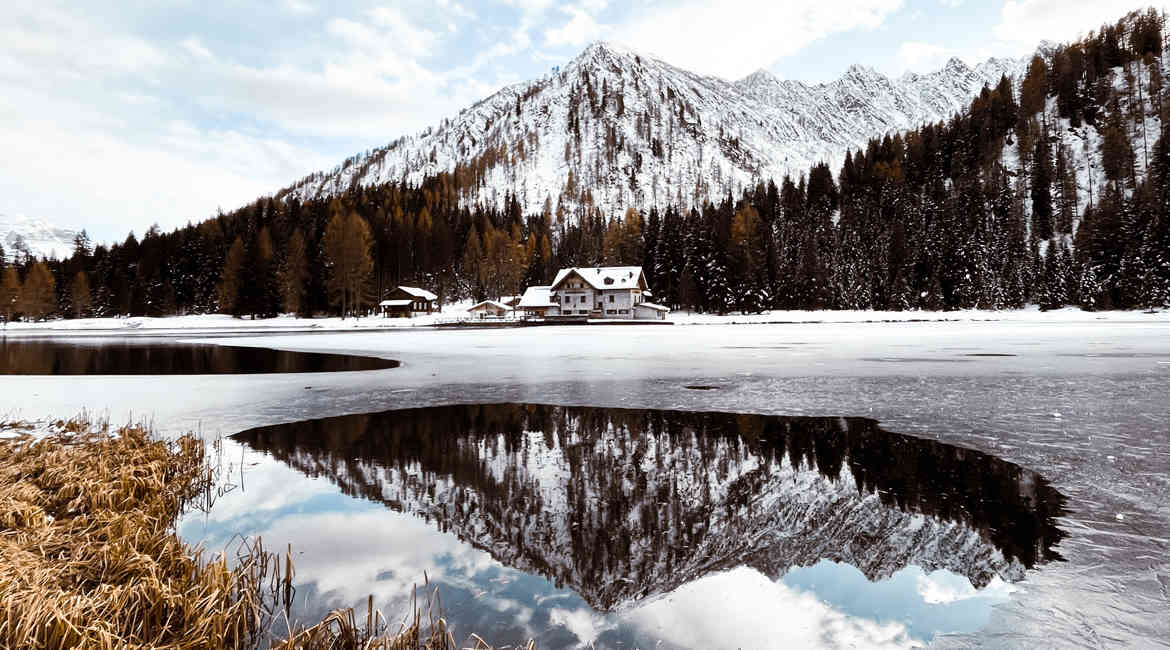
[[579, 30], [194, 46], [1024, 23], [180, 173], [942, 587], [742, 608], [455, 9], [716, 38], [299, 7], [48, 45], [114, 132], [922, 57], [353, 555]]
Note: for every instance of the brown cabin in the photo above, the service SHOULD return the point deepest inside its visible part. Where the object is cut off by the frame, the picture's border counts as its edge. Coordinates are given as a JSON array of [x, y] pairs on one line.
[[405, 302]]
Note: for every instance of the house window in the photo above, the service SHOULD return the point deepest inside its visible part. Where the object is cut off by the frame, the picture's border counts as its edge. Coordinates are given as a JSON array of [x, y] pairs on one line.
[[582, 299], [611, 297]]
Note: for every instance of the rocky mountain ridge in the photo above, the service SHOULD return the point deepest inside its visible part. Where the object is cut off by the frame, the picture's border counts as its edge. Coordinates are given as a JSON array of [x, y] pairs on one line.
[[38, 237], [616, 128]]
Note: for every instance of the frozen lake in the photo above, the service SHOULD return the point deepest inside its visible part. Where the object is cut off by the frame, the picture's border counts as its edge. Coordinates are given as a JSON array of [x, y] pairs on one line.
[[1082, 405]]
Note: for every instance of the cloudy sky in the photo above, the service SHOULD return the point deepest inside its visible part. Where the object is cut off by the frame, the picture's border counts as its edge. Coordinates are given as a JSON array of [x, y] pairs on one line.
[[117, 115]]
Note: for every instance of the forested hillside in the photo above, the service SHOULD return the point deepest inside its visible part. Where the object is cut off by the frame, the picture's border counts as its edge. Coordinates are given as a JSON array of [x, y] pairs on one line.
[[1051, 189]]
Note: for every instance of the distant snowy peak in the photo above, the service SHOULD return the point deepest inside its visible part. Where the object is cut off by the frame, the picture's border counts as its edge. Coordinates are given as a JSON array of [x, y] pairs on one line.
[[617, 128], [41, 238]]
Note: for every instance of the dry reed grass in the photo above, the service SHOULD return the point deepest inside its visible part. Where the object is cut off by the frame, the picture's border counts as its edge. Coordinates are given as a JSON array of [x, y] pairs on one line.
[[89, 557]]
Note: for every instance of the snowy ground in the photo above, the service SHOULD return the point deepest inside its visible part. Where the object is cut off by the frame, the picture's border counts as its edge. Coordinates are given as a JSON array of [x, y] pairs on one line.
[[226, 323], [211, 323], [1078, 397]]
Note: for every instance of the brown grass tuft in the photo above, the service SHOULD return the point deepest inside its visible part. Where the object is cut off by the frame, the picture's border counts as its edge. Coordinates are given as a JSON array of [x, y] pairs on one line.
[[89, 557]]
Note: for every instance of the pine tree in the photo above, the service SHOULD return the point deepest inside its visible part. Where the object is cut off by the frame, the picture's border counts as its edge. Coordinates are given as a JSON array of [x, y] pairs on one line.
[[10, 289], [1117, 157], [267, 283], [294, 274], [1055, 290], [82, 299], [1066, 185], [1034, 88], [1042, 190], [472, 263], [747, 259], [347, 251], [231, 280], [37, 297]]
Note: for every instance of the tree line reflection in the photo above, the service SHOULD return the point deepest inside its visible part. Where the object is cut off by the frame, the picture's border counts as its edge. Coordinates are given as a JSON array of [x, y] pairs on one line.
[[622, 504], [47, 357]]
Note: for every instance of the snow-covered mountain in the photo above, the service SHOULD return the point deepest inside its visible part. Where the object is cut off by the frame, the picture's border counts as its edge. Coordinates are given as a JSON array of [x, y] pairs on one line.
[[624, 505], [42, 238], [617, 128]]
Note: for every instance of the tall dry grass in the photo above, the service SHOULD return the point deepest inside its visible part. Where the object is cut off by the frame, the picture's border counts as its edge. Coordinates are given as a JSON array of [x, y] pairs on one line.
[[89, 557]]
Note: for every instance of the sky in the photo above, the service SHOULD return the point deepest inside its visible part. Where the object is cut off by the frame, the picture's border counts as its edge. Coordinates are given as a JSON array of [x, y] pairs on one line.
[[116, 116]]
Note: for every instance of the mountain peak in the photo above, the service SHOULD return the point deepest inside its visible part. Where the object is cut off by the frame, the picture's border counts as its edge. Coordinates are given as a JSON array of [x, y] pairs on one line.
[[956, 64], [861, 71], [759, 76], [607, 48]]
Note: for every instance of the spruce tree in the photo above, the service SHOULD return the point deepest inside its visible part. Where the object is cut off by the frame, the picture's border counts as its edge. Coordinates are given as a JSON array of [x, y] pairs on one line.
[[294, 273], [82, 298], [231, 280], [1042, 190]]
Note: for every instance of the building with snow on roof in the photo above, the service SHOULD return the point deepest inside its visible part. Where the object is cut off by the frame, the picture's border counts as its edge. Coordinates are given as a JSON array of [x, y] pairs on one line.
[[607, 292], [405, 302], [536, 302], [489, 309]]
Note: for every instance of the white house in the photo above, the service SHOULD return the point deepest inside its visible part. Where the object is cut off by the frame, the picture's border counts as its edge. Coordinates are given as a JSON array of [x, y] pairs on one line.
[[537, 302], [489, 309], [617, 292]]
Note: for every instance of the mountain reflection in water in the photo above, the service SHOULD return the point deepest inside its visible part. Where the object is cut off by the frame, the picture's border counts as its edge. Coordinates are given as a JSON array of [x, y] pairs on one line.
[[622, 505]]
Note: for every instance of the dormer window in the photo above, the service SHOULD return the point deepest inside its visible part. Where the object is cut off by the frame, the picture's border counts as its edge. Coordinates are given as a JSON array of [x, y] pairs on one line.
[[609, 280]]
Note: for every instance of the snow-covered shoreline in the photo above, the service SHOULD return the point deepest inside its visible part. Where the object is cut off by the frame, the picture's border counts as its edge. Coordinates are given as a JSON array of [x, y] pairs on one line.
[[224, 324]]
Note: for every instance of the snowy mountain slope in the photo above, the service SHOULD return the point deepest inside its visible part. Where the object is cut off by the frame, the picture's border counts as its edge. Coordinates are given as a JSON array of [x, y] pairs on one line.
[[616, 128], [42, 238], [627, 505]]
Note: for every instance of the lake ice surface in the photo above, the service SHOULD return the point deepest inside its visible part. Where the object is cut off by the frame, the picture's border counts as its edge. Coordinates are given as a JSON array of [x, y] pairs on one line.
[[1085, 404]]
